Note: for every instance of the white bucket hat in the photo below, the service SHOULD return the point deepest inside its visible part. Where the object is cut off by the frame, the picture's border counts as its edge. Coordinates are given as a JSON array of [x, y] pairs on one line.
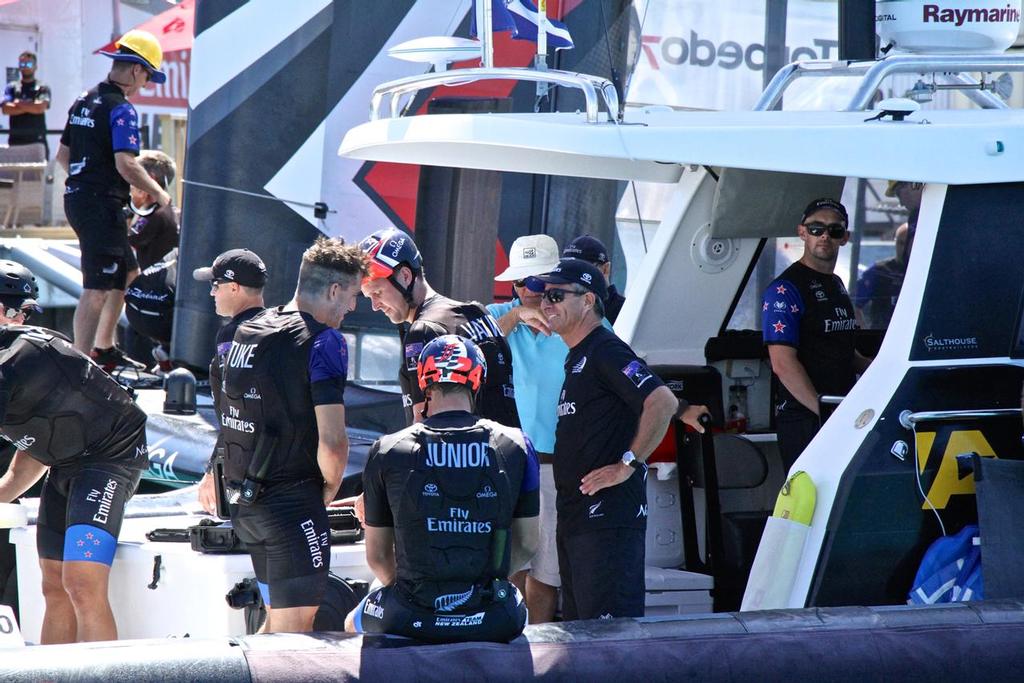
[[530, 255]]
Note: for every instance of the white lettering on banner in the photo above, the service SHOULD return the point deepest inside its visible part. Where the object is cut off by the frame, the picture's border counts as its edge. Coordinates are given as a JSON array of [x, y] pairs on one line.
[[82, 119], [959, 17], [458, 620], [24, 443], [374, 610], [309, 531], [240, 355], [710, 53], [481, 328], [106, 501], [458, 455]]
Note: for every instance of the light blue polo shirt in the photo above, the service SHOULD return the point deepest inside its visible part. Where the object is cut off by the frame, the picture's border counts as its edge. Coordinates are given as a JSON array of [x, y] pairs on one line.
[[538, 371]]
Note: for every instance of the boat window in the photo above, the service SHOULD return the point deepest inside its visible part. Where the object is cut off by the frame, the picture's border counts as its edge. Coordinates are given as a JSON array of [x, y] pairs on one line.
[[868, 264], [376, 358]]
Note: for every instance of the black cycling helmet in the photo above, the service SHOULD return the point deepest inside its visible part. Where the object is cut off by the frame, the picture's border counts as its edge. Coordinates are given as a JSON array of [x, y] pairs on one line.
[[18, 288], [387, 250]]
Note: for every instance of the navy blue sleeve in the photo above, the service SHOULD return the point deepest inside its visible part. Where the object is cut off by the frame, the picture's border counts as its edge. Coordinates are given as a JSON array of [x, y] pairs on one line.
[[124, 128], [328, 368], [528, 502], [781, 311]]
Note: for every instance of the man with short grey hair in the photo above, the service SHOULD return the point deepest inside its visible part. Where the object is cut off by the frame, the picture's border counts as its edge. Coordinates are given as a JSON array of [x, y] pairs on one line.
[[612, 413]]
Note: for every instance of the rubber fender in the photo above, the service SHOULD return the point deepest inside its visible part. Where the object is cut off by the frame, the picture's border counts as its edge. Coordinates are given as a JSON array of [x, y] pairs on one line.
[[797, 499]]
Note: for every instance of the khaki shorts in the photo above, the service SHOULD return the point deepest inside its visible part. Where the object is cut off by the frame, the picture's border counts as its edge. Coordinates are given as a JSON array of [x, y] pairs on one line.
[[544, 565]]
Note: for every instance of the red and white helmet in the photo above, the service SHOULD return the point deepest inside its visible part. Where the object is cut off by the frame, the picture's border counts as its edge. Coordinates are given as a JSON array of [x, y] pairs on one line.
[[451, 358]]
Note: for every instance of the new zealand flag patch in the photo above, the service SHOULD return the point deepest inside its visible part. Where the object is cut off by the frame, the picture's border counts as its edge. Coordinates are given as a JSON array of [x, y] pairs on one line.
[[637, 373], [412, 355]]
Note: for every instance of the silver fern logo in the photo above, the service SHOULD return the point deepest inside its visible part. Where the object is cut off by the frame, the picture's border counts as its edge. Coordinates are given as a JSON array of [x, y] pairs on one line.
[[578, 368], [452, 601]]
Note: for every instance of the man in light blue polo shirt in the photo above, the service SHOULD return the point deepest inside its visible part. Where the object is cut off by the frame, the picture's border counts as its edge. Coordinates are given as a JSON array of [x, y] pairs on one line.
[[538, 357]]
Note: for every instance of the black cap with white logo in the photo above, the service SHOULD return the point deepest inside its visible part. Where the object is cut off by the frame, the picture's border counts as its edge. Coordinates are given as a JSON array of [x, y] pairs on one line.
[[574, 271], [236, 265]]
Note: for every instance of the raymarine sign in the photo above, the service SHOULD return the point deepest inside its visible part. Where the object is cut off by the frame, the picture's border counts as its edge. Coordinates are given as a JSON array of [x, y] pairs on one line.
[[945, 26]]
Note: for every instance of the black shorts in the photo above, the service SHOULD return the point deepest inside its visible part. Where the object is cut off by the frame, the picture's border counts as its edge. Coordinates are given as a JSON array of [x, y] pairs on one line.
[[795, 427], [387, 610], [81, 508], [102, 231], [602, 573], [288, 537]]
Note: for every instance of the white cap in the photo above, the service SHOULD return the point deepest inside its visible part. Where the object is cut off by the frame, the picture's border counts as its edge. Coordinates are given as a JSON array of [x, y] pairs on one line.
[[530, 255]]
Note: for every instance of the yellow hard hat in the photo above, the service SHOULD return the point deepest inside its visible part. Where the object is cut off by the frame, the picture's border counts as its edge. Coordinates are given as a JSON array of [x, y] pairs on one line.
[[142, 48]]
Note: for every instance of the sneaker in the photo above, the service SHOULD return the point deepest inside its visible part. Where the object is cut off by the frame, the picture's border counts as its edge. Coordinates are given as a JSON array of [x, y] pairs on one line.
[[113, 358]]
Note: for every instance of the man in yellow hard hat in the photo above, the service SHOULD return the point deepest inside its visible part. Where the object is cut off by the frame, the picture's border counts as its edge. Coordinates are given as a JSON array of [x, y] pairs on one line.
[[98, 149]]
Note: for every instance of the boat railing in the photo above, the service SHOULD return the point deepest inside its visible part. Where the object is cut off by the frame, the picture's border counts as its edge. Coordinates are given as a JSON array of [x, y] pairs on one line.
[[910, 419], [594, 88], [953, 69]]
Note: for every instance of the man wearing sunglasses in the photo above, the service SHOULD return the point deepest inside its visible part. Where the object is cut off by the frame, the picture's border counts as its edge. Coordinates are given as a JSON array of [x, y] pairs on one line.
[[26, 102], [612, 413], [71, 422], [99, 150], [538, 356], [236, 278], [808, 323]]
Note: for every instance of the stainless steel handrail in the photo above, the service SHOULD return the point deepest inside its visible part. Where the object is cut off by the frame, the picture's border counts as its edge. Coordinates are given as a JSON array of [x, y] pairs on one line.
[[909, 419], [830, 400], [873, 73], [590, 85]]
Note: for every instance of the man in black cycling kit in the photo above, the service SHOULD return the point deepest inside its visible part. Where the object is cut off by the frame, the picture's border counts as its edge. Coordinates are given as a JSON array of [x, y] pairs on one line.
[[451, 508], [282, 417], [397, 286], [65, 415]]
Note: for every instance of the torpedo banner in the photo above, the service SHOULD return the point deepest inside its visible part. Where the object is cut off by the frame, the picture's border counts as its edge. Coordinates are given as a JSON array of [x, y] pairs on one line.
[[710, 54]]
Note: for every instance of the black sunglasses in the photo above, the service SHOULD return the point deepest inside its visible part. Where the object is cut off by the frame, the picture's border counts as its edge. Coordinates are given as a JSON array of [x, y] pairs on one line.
[[14, 312], [817, 229], [557, 296], [531, 283]]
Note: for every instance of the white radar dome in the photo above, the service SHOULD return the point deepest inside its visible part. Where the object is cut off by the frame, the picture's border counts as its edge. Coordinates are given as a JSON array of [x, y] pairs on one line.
[[948, 26]]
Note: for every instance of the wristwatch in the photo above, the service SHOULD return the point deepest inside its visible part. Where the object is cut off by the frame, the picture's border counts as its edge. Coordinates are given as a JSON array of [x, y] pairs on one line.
[[628, 458]]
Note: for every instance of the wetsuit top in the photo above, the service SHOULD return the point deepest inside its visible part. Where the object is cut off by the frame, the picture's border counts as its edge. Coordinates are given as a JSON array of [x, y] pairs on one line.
[[281, 364], [153, 236], [439, 315], [450, 487], [100, 123], [598, 413], [60, 406], [27, 128], [224, 336], [812, 312], [614, 304], [877, 291]]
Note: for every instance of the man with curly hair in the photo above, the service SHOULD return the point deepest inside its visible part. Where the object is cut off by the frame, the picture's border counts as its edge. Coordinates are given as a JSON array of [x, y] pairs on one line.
[[282, 418]]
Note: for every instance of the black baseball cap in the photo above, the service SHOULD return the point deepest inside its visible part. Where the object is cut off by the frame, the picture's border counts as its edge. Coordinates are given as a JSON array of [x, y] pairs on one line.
[[235, 265], [825, 203], [574, 271], [588, 248]]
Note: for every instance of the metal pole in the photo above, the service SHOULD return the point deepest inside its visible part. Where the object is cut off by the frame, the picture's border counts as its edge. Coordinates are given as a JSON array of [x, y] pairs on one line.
[[774, 39], [485, 32], [857, 30], [542, 34]]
